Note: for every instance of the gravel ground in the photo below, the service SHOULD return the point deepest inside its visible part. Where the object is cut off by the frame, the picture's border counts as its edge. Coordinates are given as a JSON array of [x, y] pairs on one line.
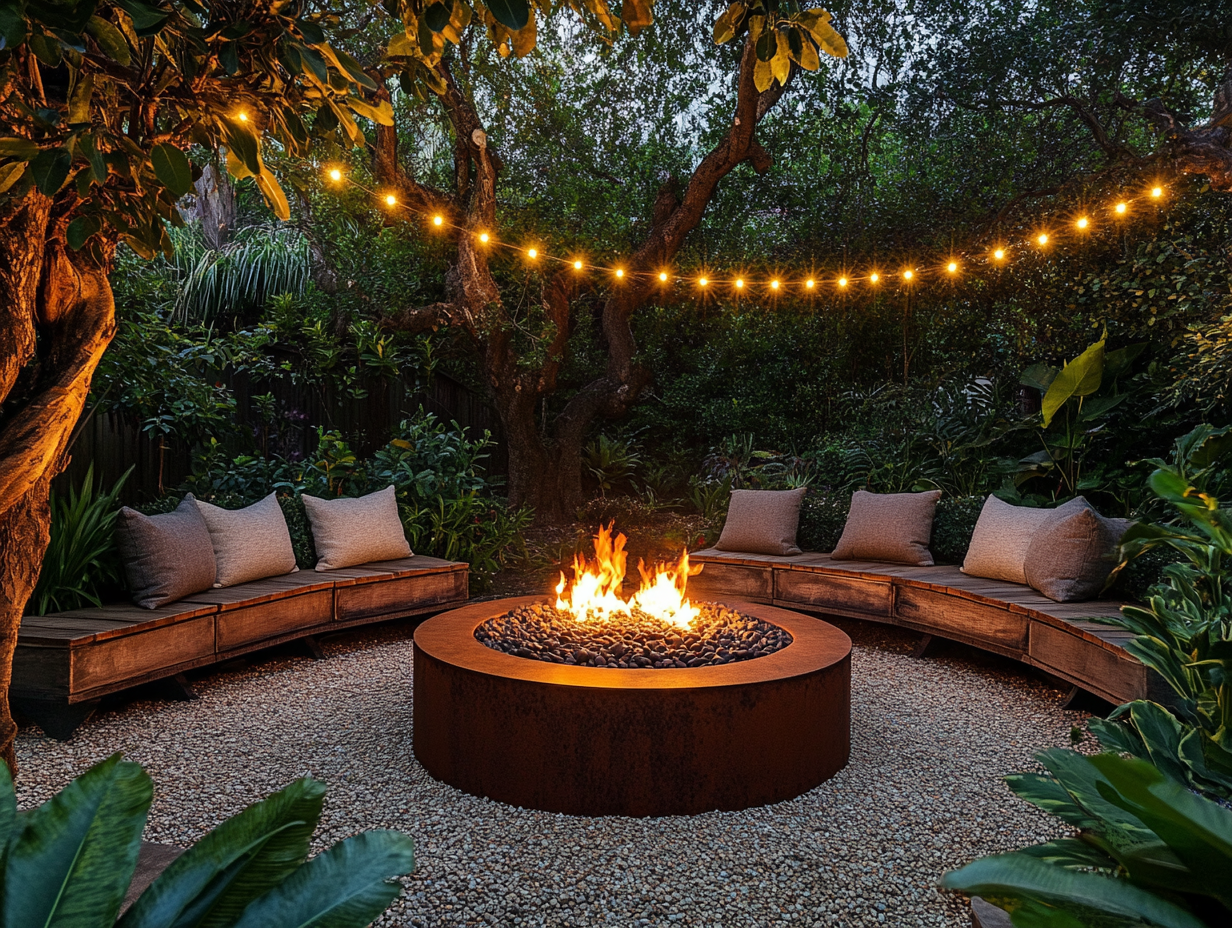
[[922, 794]]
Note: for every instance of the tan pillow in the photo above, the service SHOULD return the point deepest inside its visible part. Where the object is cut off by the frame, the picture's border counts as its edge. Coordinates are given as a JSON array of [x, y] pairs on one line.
[[250, 543], [1002, 536], [762, 522], [1071, 554], [356, 531], [894, 527]]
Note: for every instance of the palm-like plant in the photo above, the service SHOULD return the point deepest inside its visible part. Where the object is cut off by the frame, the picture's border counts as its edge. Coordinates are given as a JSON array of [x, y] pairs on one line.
[[261, 263], [69, 862]]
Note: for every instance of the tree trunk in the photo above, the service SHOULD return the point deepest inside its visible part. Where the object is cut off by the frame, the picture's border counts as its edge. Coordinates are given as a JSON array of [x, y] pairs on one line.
[[62, 301]]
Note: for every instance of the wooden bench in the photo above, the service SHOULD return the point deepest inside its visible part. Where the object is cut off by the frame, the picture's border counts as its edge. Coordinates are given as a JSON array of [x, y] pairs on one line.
[[1005, 618], [66, 661]]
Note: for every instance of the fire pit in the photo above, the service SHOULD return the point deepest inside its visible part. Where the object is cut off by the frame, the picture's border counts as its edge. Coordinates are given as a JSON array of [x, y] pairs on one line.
[[583, 706]]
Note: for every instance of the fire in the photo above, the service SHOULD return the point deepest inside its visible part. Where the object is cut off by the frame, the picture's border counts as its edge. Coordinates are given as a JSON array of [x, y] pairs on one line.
[[594, 595]]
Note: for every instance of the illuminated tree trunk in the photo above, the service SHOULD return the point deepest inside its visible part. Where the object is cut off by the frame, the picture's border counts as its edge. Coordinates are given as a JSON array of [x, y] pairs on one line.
[[545, 461], [56, 318]]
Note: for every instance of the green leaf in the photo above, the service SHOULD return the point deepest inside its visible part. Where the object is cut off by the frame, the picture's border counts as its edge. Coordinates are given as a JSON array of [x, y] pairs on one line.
[[10, 173], [382, 113], [110, 39], [1081, 377], [1017, 878], [79, 103], [437, 16], [1038, 375], [8, 814], [80, 230], [238, 861], [50, 170], [21, 149], [512, 14], [74, 855], [172, 169], [147, 20], [244, 146], [347, 886], [273, 193], [1161, 734], [12, 26]]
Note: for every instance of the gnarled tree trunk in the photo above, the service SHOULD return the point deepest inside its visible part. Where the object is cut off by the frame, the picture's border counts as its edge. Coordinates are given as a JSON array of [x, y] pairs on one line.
[[545, 462], [56, 318]]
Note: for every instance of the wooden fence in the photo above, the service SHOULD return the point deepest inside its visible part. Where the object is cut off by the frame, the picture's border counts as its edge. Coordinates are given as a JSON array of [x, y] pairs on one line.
[[114, 442]]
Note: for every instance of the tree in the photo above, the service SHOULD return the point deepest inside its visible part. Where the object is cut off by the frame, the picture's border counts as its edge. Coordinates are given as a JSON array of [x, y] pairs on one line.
[[777, 41], [99, 103]]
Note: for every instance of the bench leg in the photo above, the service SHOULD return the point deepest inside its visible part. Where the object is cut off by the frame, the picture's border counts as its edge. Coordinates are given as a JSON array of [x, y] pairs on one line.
[[310, 644], [922, 646], [178, 688], [1079, 700], [58, 718]]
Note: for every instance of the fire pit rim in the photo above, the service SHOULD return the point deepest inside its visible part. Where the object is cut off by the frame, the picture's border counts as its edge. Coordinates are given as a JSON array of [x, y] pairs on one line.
[[450, 638]]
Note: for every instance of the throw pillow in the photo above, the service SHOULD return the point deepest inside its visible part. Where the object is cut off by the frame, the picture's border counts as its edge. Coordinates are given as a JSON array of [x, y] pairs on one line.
[[1002, 536], [356, 531], [1071, 554], [762, 522], [895, 527], [166, 557], [250, 543]]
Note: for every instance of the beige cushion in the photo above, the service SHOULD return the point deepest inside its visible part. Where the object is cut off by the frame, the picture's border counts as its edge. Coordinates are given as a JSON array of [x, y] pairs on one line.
[[250, 543], [347, 532], [1002, 536], [1071, 554], [894, 527], [762, 522], [166, 557]]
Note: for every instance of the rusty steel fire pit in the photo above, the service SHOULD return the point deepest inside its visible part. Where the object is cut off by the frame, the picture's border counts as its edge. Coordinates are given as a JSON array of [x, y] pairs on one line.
[[644, 742]]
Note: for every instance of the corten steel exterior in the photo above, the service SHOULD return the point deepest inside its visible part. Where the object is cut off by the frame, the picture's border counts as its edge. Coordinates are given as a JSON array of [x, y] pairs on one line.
[[597, 741]]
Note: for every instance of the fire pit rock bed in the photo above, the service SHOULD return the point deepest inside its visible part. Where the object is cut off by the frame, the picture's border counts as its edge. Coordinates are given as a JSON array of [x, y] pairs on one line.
[[718, 636], [588, 740]]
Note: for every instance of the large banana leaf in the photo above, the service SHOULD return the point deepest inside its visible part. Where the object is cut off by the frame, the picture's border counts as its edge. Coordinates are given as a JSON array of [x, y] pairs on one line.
[[1094, 899], [73, 857], [243, 858], [346, 886], [8, 820]]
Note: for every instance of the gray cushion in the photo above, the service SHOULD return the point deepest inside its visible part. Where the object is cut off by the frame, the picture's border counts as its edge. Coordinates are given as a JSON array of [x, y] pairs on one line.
[[1071, 554], [250, 543], [347, 532], [894, 527], [166, 557], [1002, 536], [762, 522]]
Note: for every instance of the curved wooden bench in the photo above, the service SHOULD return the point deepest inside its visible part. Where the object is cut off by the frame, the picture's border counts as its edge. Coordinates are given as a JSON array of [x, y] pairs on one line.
[[1005, 618]]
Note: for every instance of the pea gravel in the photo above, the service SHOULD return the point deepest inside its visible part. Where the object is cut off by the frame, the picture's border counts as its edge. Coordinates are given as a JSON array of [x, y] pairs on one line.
[[922, 794]]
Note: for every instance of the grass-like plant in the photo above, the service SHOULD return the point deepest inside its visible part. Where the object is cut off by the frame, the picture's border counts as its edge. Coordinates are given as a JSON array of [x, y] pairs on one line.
[[81, 559], [70, 861]]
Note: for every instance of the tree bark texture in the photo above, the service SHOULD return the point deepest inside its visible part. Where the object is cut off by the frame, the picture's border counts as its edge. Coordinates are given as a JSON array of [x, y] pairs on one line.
[[57, 317], [545, 458]]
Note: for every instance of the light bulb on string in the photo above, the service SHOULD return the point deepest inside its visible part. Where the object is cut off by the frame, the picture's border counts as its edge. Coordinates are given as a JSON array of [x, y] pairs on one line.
[[484, 238], [1082, 222], [577, 265], [1121, 208], [620, 272], [842, 281], [391, 200], [1157, 192], [774, 285], [810, 284], [739, 283], [702, 281], [335, 174], [874, 277], [908, 274], [999, 254], [663, 276], [532, 253], [1042, 238], [438, 220], [952, 267]]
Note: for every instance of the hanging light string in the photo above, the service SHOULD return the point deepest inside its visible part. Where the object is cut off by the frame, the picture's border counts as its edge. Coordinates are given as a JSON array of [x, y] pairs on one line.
[[951, 268]]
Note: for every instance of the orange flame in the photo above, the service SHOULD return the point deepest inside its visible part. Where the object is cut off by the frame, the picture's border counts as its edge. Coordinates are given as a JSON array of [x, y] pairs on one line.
[[595, 593]]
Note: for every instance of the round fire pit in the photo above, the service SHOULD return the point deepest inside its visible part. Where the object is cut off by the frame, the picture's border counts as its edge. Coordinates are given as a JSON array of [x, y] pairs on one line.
[[605, 741]]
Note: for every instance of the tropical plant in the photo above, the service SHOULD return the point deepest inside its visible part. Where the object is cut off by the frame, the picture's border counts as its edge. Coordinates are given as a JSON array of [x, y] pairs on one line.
[[484, 533], [610, 461], [80, 562], [259, 263], [1075, 404], [70, 861], [1148, 850], [710, 497], [1184, 629], [425, 459]]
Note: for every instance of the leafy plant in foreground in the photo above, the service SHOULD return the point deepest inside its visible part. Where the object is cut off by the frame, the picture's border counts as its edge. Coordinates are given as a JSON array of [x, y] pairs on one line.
[[70, 862], [1148, 850], [80, 560]]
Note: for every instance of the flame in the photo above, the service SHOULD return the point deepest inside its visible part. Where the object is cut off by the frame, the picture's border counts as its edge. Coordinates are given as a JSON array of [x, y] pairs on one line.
[[594, 595]]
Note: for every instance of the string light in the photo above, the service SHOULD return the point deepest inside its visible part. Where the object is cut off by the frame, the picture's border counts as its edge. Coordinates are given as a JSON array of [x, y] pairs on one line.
[[1121, 208], [242, 116]]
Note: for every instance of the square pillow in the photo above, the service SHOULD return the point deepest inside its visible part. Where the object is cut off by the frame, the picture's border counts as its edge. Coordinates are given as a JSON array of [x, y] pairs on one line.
[[250, 543], [1071, 554], [1002, 536], [762, 522], [166, 557], [895, 527], [356, 531]]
